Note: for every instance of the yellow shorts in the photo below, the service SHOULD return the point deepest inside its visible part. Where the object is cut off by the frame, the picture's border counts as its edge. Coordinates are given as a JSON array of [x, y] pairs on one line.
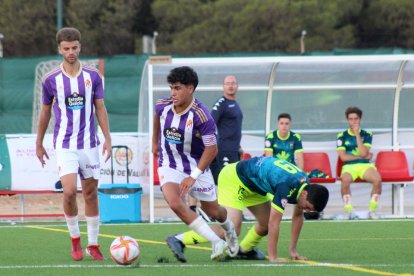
[[357, 170], [233, 193]]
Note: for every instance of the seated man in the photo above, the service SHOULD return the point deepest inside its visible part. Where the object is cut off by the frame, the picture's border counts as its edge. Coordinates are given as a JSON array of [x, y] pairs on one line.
[[264, 185], [284, 143], [353, 147]]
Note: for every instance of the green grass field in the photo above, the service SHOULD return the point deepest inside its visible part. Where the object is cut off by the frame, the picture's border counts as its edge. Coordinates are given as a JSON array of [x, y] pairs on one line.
[[332, 247]]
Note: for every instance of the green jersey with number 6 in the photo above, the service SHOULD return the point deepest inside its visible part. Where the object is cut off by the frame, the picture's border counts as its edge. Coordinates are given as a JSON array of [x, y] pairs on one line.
[[271, 175]]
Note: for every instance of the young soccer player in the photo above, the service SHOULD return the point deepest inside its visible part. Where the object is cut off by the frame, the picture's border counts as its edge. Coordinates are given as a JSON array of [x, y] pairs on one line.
[[76, 93], [265, 185], [353, 146], [284, 143], [184, 138]]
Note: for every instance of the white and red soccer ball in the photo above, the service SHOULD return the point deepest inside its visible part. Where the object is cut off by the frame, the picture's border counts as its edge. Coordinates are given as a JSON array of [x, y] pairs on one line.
[[124, 250]]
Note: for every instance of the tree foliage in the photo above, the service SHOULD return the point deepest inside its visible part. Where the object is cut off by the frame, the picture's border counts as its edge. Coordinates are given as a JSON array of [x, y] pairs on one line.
[[194, 27]]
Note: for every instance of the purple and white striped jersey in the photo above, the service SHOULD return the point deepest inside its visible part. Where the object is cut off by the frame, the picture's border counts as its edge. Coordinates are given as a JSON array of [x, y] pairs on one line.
[[184, 136], [73, 105]]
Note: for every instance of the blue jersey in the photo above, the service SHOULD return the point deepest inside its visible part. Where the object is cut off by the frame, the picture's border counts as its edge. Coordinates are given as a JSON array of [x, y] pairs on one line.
[[284, 148], [271, 175], [347, 141], [228, 117]]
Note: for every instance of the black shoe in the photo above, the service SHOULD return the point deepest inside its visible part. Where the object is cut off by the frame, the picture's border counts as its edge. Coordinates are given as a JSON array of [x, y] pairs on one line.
[[177, 247], [254, 254]]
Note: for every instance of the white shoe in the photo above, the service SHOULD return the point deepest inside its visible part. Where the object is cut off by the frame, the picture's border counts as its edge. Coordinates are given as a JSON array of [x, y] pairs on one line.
[[232, 242], [373, 215], [219, 249]]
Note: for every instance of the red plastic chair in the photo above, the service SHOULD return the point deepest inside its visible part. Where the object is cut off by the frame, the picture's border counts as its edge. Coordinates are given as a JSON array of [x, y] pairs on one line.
[[319, 161], [393, 166], [246, 156]]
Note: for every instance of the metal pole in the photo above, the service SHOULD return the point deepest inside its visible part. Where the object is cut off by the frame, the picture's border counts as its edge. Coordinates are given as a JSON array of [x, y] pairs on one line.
[[59, 15], [154, 46], [1, 45], [302, 42]]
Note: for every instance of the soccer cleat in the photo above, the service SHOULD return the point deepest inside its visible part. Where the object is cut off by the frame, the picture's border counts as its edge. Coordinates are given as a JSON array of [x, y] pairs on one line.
[[219, 250], [232, 242], [254, 254], [177, 247], [351, 216], [373, 215], [94, 252], [77, 253]]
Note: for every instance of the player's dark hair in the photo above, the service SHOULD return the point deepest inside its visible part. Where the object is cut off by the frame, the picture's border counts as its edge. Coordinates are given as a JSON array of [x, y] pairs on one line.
[[184, 75], [318, 196], [353, 109], [68, 34], [284, 115]]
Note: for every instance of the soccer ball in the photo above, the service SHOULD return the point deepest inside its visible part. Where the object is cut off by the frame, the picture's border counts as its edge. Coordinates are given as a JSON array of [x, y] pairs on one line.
[[124, 250]]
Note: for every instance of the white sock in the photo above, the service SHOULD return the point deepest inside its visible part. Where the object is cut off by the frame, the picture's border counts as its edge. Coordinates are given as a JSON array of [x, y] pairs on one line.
[[180, 237], [92, 224], [227, 225], [201, 227], [73, 226]]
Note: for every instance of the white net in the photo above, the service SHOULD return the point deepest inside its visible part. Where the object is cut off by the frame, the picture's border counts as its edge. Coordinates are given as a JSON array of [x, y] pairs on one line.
[[43, 68]]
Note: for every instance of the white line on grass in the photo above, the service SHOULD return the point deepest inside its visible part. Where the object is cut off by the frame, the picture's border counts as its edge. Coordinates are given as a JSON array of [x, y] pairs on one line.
[[200, 265]]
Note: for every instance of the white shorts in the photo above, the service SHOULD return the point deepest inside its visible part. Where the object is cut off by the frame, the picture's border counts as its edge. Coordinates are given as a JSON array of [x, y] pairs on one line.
[[203, 189], [83, 161]]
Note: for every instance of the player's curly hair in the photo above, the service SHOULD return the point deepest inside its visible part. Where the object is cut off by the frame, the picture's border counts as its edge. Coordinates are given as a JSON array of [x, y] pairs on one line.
[[353, 109], [318, 196], [184, 75], [68, 34]]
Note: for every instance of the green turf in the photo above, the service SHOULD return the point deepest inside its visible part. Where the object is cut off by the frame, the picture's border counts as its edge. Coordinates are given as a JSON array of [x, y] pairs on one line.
[[333, 248]]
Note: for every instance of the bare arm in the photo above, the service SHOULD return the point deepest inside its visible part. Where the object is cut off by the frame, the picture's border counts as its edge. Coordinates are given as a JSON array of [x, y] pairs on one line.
[[297, 222], [268, 153], [300, 160], [44, 119], [155, 134], [273, 234], [349, 157], [103, 121]]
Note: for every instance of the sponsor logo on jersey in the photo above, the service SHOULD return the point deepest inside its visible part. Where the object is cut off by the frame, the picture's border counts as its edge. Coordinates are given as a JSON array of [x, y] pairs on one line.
[[75, 101], [173, 136], [339, 143], [267, 144]]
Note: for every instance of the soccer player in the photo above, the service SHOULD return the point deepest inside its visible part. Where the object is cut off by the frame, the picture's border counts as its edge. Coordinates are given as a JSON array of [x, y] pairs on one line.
[[284, 143], [76, 93], [265, 185], [228, 117], [184, 137], [353, 146]]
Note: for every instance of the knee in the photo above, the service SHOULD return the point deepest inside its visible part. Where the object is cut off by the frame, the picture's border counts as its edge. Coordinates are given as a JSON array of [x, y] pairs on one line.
[[261, 229], [69, 196]]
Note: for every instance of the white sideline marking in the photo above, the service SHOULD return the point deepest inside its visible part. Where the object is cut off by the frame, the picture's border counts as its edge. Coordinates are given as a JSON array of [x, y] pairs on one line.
[[200, 265]]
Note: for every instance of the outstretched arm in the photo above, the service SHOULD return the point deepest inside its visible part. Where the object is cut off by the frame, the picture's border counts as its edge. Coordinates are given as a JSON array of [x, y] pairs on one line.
[[273, 234], [297, 222]]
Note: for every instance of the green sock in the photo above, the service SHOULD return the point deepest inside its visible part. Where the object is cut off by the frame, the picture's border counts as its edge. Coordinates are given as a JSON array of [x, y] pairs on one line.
[[250, 240], [373, 205], [191, 237]]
